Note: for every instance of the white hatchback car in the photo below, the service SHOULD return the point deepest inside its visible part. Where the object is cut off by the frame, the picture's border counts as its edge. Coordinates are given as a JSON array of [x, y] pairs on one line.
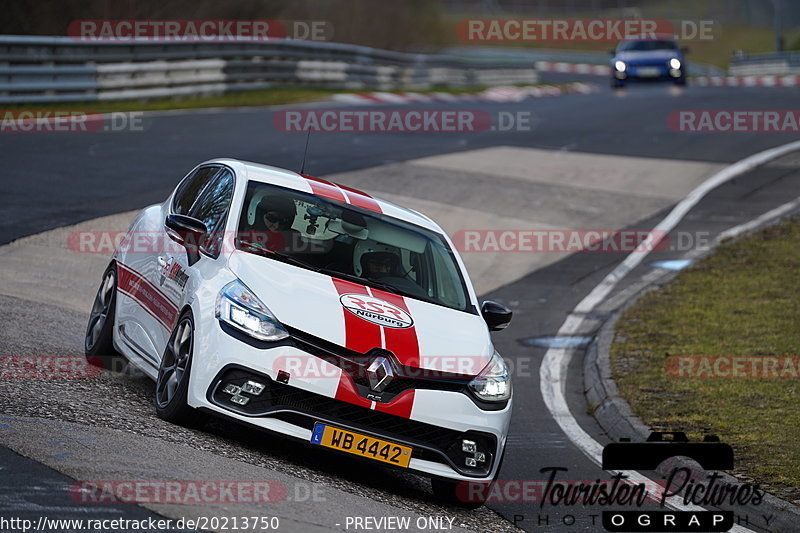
[[315, 311]]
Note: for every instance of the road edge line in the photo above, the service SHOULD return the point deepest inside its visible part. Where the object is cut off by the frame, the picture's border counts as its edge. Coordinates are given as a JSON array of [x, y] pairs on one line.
[[613, 413]]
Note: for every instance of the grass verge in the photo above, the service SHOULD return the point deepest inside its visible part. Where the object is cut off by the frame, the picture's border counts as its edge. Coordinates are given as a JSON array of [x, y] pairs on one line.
[[744, 300], [266, 97]]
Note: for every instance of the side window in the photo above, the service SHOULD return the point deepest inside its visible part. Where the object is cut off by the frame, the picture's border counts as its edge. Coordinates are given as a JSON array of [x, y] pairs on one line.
[[191, 188], [212, 209]]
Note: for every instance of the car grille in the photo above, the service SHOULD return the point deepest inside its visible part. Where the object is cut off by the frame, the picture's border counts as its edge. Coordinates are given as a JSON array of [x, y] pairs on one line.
[[303, 408], [355, 364]]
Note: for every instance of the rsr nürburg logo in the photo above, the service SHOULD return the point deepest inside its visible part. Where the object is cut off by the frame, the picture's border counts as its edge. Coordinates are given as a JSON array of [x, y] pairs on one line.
[[376, 311]]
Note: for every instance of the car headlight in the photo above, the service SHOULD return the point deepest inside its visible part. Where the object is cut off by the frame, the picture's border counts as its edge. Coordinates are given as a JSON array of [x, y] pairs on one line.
[[675, 63], [238, 307], [620, 66], [493, 384]]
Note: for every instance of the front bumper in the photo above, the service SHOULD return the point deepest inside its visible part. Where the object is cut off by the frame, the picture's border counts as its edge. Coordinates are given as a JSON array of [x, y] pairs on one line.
[[433, 422], [647, 72]]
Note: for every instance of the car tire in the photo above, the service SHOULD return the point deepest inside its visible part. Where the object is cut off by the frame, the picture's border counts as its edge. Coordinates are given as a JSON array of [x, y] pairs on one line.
[[98, 342], [172, 384], [681, 82], [616, 84]]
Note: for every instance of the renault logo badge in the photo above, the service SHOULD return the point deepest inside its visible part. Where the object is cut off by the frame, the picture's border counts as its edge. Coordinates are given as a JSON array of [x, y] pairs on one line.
[[379, 374]]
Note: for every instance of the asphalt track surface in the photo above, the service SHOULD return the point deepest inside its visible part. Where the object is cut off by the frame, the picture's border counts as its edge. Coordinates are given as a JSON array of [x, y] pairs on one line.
[[54, 179], [50, 180], [49, 495]]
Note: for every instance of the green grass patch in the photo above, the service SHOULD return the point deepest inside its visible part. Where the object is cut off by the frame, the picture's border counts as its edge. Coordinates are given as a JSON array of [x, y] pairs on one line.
[[266, 97], [276, 96], [743, 300]]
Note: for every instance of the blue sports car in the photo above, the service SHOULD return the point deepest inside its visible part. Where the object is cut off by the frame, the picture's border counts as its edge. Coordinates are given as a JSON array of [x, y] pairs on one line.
[[648, 59]]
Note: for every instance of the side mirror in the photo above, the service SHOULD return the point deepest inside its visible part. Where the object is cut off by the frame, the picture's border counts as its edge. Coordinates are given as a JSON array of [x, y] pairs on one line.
[[187, 231], [496, 315], [612, 52], [685, 49]]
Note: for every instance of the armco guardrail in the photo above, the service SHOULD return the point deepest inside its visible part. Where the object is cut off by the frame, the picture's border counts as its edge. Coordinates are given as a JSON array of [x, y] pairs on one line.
[[776, 63], [567, 58], [63, 69]]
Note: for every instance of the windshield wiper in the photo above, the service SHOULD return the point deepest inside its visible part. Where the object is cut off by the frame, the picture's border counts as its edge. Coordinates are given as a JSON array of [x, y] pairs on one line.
[[279, 256], [363, 281]]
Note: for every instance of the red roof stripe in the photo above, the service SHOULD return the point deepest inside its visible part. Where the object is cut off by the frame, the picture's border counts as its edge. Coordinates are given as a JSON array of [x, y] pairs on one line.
[[325, 189], [361, 199], [342, 193]]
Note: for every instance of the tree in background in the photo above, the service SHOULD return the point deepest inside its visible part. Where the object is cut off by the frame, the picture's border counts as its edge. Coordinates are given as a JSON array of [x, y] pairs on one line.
[[396, 25]]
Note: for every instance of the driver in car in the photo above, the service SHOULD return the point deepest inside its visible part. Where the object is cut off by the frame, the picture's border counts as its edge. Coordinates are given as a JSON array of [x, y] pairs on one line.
[[273, 224], [376, 265], [277, 213], [385, 267]]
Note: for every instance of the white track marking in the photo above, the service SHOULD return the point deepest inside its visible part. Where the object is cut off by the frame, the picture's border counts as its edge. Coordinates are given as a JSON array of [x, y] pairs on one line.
[[553, 370], [756, 222]]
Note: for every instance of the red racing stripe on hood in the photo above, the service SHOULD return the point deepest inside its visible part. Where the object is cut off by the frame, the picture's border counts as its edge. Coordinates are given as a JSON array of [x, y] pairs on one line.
[[346, 392], [403, 343], [359, 335], [362, 336], [400, 406]]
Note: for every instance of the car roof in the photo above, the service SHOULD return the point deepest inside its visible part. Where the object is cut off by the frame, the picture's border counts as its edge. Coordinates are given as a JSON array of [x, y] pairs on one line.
[[655, 37], [324, 188]]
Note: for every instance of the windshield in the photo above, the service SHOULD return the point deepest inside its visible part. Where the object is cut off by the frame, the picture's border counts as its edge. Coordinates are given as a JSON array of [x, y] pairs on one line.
[[351, 243], [638, 46]]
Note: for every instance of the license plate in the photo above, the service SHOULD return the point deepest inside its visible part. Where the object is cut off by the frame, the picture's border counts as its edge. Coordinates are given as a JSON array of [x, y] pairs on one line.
[[362, 445], [648, 72]]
